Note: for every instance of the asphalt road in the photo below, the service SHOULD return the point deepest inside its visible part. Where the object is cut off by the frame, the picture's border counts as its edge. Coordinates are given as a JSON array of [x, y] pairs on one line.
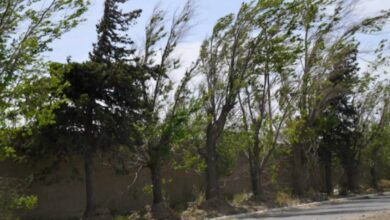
[[349, 208]]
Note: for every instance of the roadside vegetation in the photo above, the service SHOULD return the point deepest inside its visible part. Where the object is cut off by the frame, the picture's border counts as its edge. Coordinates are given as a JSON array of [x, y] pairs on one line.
[[287, 90]]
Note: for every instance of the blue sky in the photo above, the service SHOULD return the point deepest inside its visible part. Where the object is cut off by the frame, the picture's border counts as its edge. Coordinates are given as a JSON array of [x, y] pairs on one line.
[[78, 42]]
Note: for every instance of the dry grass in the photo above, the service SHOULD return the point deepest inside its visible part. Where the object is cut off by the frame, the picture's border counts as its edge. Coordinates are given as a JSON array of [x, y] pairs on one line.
[[241, 198], [285, 199], [384, 184], [194, 213]]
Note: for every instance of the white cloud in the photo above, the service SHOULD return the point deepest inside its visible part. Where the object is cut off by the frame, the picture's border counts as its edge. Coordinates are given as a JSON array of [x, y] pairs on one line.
[[187, 53], [370, 7]]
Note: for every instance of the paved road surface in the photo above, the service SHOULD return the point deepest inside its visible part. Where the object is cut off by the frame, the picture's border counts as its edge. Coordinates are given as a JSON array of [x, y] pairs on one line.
[[350, 208]]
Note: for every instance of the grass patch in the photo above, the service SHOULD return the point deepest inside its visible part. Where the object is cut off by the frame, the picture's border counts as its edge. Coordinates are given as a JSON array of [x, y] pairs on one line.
[[285, 199]]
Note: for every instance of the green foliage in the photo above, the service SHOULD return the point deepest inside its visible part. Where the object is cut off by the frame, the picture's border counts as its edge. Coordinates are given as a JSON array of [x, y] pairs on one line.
[[293, 130], [384, 140], [190, 161], [26, 92], [113, 44], [281, 79], [189, 147], [101, 109], [148, 189], [13, 199], [26, 202], [285, 198], [378, 127], [241, 198], [26, 30], [229, 149], [28, 96], [7, 152], [222, 24]]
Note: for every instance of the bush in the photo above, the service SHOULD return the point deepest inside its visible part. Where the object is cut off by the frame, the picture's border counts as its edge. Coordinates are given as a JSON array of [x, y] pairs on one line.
[[384, 184], [240, 198], [13, 198], [285, 199]]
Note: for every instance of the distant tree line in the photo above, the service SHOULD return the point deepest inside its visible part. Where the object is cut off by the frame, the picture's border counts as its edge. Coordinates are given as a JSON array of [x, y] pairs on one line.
[[279, 77]]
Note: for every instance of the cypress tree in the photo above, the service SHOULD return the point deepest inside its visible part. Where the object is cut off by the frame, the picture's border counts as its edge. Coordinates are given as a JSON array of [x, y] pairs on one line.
[[114, 44], [338, 130]]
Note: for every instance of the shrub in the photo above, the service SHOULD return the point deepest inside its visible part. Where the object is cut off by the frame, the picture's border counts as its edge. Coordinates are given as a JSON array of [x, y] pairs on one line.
[[384, 184], [240, 198], [13, 198], [285, 199]]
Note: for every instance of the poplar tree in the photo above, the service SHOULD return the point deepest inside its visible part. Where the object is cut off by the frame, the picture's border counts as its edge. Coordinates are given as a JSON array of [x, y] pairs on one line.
[[27, 29]]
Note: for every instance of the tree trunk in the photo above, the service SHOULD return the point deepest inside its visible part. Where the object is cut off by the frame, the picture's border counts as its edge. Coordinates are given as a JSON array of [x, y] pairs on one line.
[[212, 184], [255, 179], [257, 188], [89, 185], [298, 171], [328, 178], [155, 170], [374, 178], [373, 171], [350, 181], [325, 156], [350, 177], [254, 166]]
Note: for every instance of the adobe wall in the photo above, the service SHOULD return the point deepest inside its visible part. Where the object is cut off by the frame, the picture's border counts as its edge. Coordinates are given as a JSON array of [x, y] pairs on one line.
[[65, 197]]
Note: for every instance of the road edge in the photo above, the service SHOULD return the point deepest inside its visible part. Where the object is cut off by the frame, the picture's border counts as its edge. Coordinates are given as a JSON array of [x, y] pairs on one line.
[[303, 205]]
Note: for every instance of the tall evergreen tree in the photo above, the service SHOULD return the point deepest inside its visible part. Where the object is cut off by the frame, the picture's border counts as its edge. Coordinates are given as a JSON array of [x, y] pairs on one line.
[[104, 101], [100, 114], [339, 122], [113, 43]]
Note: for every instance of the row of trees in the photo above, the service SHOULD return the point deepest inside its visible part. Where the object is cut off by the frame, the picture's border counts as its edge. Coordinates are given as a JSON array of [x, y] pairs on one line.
[[277, 76]]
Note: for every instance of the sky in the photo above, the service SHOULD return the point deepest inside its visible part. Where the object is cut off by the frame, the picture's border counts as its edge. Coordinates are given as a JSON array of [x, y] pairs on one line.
[[78, 42]]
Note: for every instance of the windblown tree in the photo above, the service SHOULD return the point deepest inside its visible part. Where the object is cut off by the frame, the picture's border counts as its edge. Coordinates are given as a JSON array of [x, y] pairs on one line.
[[26, 30], [224, 65], [278, 76], [324, 27], [168, 105], [374, 118], [379, 138], [264, 99], [373, 112]]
